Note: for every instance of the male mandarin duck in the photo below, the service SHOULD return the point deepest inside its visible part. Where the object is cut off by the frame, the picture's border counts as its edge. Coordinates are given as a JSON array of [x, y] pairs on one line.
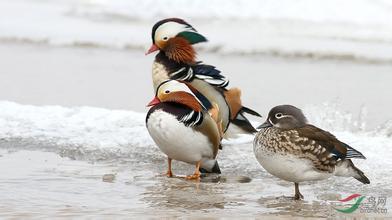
[[179, 123], [293, 150], [174, 39]]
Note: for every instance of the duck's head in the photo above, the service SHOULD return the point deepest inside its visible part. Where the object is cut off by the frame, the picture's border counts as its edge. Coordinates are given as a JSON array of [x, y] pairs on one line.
[[175, 38], [285, 117], [178, 92]]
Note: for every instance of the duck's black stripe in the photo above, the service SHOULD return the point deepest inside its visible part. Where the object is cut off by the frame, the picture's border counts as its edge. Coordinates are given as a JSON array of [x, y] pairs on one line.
[[183, 113], [204, 101], [184, 74], [193, 118]]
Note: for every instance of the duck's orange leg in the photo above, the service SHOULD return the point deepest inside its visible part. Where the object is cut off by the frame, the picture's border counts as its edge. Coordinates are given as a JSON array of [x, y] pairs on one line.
[[196, 174], [169, 168]]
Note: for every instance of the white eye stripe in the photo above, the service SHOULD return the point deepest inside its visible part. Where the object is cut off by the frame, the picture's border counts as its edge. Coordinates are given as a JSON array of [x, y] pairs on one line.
[[170, 29], [279, 115], [284, 116]]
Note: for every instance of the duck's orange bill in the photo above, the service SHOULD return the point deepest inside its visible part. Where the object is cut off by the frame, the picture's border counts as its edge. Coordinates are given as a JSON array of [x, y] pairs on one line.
[[153, 102], [152, 49]]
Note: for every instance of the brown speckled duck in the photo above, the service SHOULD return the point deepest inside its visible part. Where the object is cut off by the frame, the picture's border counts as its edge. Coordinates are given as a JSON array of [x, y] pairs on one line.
[[293, 150]]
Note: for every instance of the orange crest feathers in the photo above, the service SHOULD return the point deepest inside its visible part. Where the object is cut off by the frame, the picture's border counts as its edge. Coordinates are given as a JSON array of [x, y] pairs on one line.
[[180, 50]]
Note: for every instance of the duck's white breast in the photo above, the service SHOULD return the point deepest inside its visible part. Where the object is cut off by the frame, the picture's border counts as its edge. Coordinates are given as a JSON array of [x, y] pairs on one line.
[[287, 166], [176, 140], [159, 74]]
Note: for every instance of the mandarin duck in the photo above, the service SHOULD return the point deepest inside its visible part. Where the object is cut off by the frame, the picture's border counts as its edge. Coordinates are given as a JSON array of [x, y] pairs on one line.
[[293, 150], [174, 39], [179, 123]]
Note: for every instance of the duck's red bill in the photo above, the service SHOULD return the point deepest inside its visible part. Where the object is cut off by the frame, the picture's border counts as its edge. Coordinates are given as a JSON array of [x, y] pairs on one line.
[[153, 102], [152, 49]]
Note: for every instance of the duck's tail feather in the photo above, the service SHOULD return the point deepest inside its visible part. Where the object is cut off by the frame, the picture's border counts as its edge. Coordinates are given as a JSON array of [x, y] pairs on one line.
[[250, 111], [347, 168], [241, 124], [214, 169]]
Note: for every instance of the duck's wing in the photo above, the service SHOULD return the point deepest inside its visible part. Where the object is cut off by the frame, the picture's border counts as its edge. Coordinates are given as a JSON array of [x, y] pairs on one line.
[[210, 74], [328, 141]]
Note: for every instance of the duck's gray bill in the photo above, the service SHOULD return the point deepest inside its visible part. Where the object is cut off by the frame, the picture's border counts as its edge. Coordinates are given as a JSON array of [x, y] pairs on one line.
[[266, 124]]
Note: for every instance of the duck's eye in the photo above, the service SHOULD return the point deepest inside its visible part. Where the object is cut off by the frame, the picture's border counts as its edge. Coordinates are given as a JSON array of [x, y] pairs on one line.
[[167, 91], [278, 115], [165, 38]]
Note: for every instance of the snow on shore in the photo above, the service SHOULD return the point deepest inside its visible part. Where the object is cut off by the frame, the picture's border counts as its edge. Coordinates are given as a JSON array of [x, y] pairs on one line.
[[78, 132], [97, 133]]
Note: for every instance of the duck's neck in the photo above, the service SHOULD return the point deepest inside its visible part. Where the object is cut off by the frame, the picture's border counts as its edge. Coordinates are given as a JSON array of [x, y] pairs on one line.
[[170, 65], [163, 67]]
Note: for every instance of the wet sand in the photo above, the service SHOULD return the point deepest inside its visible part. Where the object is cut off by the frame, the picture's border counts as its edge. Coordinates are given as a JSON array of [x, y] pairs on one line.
[[45, 185]]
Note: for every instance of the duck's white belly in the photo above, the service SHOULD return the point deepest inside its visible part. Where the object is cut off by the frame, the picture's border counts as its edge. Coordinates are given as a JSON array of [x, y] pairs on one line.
[[288, 167], [178, 141]]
